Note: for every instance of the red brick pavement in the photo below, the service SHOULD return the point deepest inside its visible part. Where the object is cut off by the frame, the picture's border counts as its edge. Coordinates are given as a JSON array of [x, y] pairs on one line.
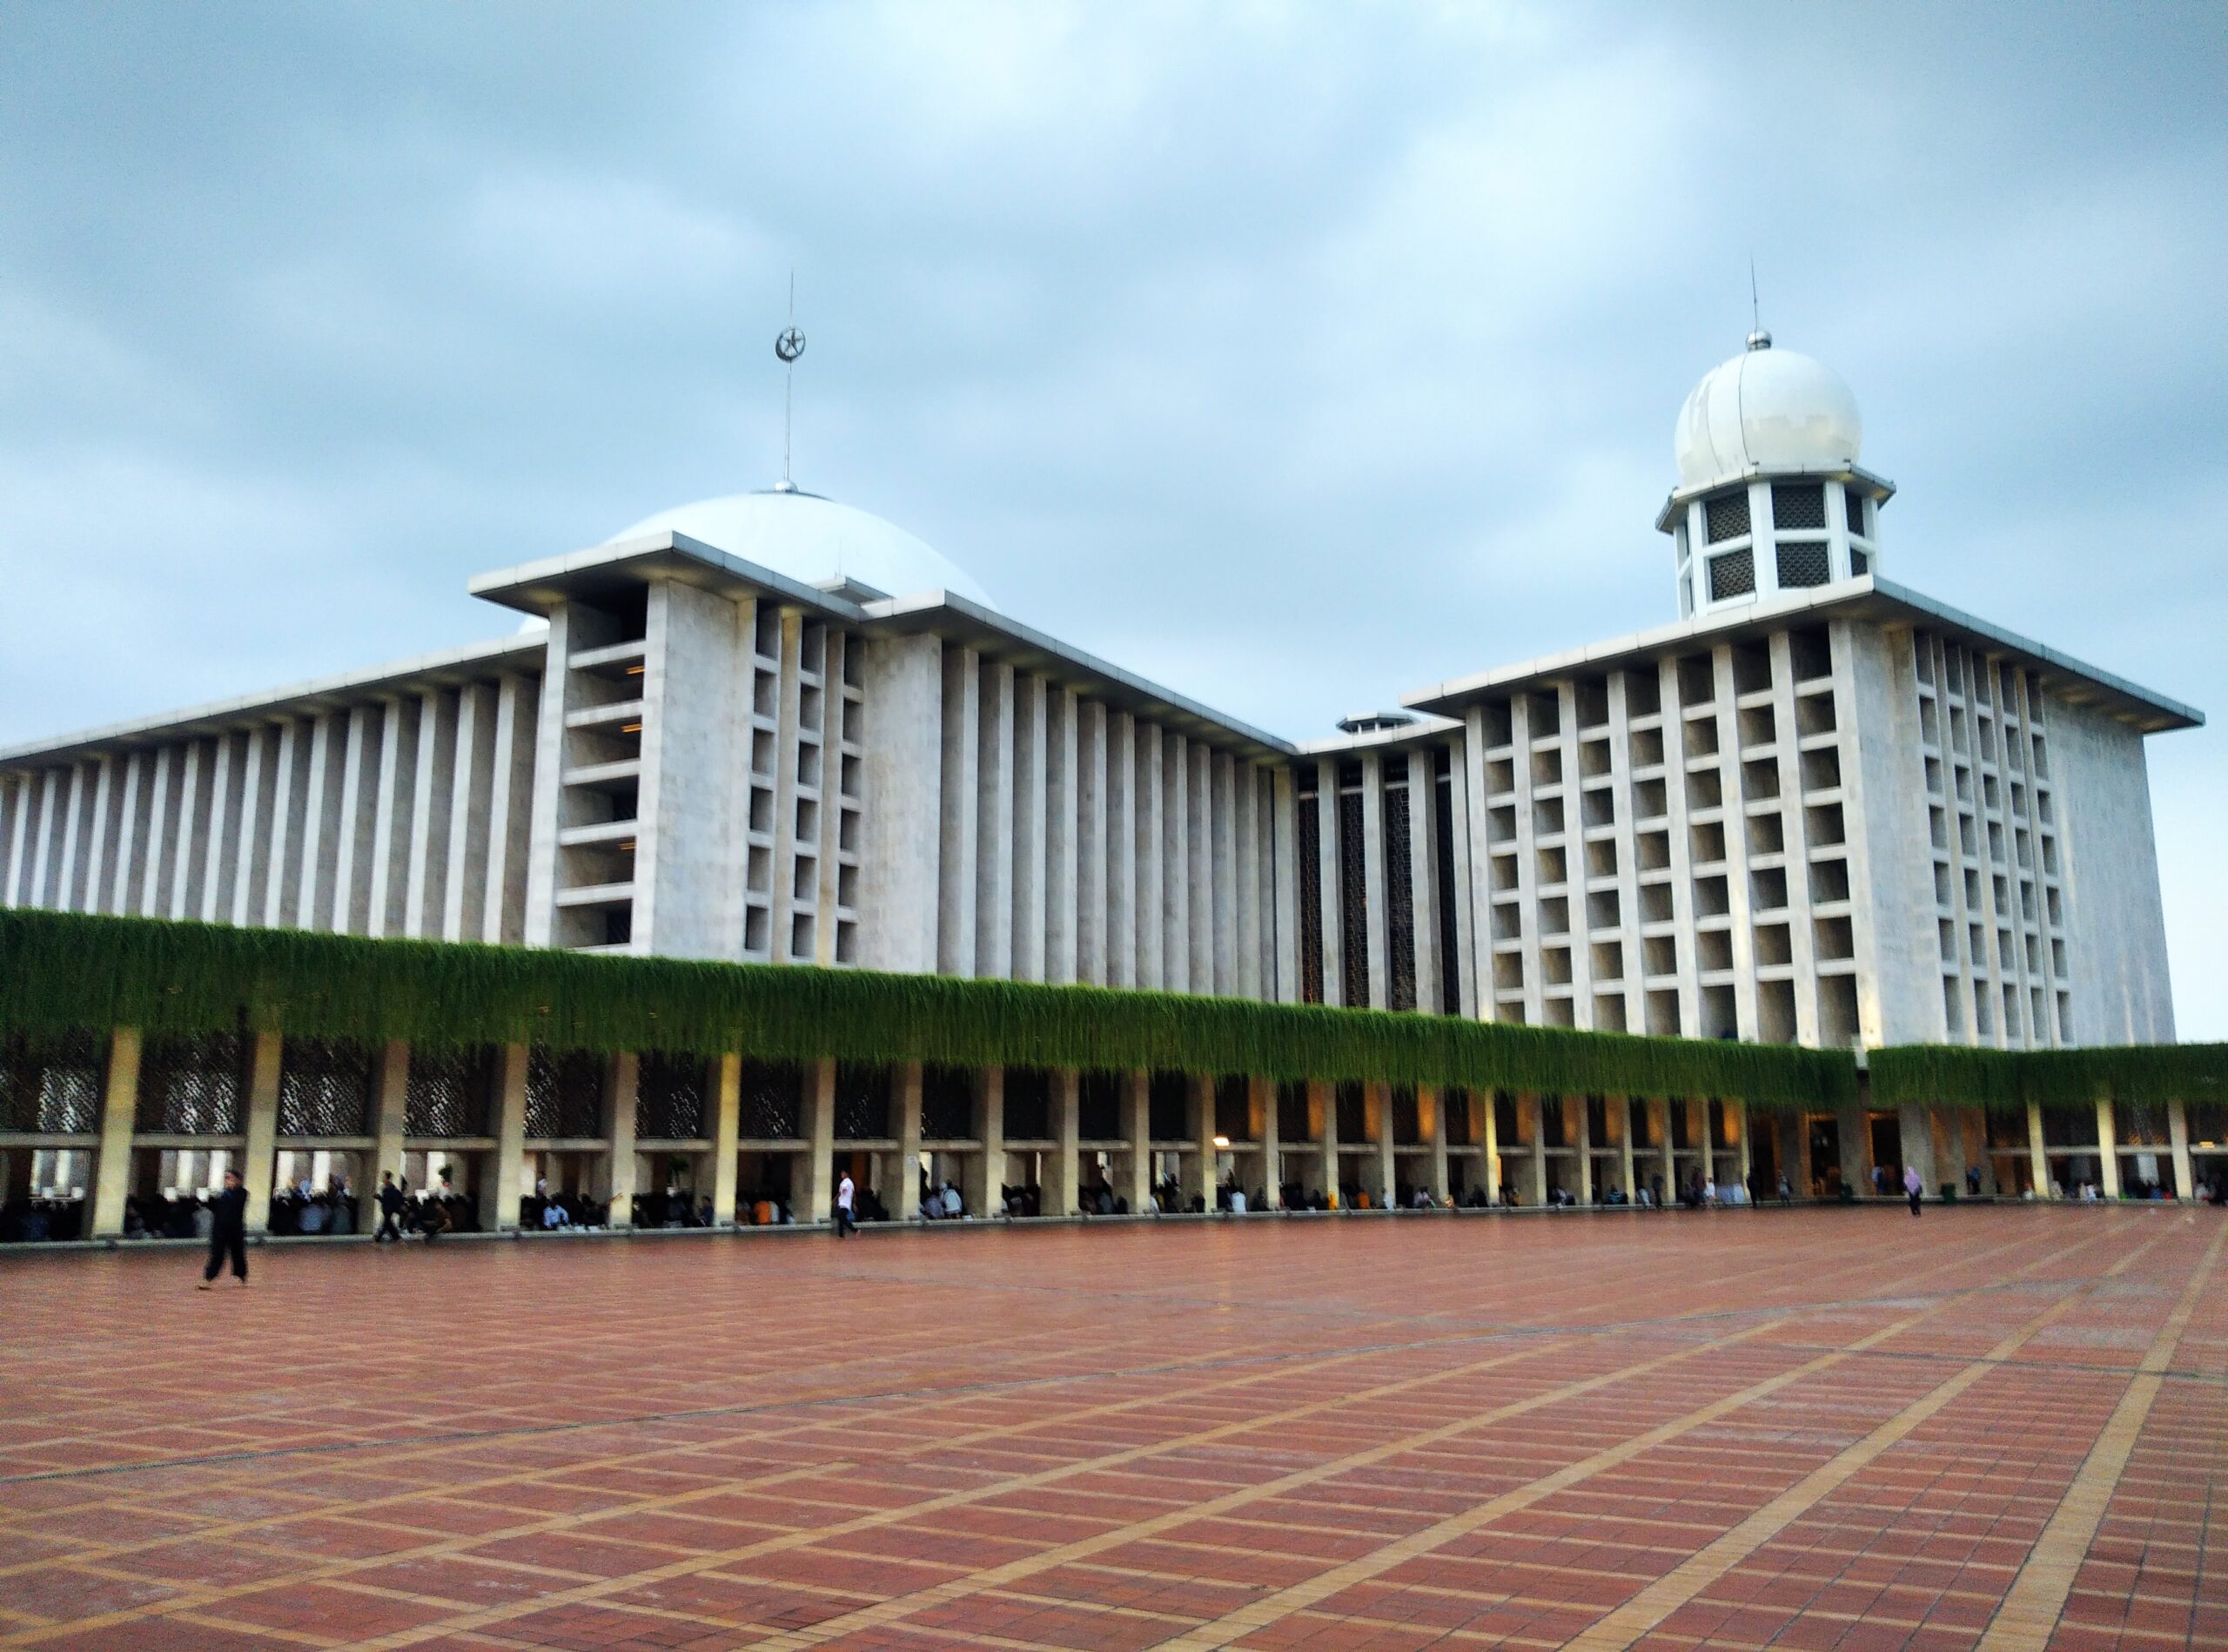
[[1808, 1429]]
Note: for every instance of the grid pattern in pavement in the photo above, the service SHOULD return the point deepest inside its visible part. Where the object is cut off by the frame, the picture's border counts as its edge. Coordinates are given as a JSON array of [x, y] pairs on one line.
[[1998, 1427]]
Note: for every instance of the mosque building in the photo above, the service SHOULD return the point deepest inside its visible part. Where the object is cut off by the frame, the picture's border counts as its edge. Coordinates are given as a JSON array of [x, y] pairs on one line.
[[1817, 806]]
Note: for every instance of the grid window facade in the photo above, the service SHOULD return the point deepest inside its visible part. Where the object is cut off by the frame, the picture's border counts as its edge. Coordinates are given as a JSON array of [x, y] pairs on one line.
[[1353, 896], [1310, 834], [1399, 903]]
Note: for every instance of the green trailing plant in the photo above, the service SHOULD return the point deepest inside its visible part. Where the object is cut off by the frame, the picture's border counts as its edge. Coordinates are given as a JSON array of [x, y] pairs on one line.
[[2009, 1079], [62, 970]]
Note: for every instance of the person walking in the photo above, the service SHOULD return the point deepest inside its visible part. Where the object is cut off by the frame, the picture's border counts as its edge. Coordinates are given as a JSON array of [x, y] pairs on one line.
[[844, 1193], [1912, 1185], [391, 1199], [227, 1232]]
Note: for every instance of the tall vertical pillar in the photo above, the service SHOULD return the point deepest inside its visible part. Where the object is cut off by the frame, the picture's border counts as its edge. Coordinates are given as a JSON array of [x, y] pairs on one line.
[[817, 1197], [1323, 1121], [1738, 1113], [1621, 1108], [990, 1129], [621, 1080], [1137, 1130], [1856, 1147], [1268, 1129], [1537, 1104], [499, 1194], [2038, 1158], [1490, 1135], [905, 1203], [389, 1118], [119, 1113], [2108, 1151], [727, 1129], [258, 1152], [1582, 1139], [1431, 1112], [1377, 1108], [2177, 1135], [1660, 1107], [1061, 1195], [1202, 1136]]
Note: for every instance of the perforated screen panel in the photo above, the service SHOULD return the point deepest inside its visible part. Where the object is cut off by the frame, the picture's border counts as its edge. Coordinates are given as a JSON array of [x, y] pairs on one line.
[[773, 1094], [1732, 575], [669, 1096], [1802, 562], [1798, 505], [1727, 515], [449, 1090], [52, 1082], [1400, 904], [325, 1087], [193, 1084], [564, 1094]]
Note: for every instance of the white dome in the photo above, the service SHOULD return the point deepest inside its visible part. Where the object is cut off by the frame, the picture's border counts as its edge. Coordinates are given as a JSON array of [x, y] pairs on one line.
[[814, 540], [1765, 410]]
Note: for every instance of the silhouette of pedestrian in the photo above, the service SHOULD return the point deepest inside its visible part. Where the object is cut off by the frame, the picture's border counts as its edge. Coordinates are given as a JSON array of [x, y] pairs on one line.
[[227, 1232]]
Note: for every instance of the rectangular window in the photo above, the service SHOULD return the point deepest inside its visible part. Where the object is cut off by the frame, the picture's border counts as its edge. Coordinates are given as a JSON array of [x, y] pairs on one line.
[[1798, 505], [1802, 562], [1727, 515]]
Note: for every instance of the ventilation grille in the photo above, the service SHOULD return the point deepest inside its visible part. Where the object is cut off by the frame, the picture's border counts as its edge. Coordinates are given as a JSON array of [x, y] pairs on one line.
[[1449, 951], [325, 1087], [191, 1085], [1353, 903], [669, 1097], [1727, 515], [1798, 505], [52, 1084], [1310, 899], [1028, 1104], [948, 1104], [1400, 904], [862, 1101], [1802, 562], [1860, 562], [1732, 575], [1100, 1106], [1853, 500], [772, 1093], [448, 1090], [564, 1094]]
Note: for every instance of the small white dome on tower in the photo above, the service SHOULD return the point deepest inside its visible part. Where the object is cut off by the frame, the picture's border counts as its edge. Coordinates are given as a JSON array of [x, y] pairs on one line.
[[814, 540], [1766, 411]]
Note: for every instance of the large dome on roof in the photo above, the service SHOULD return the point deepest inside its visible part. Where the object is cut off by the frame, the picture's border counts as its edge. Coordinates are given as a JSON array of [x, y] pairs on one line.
[[1766, 411], [814, 540]]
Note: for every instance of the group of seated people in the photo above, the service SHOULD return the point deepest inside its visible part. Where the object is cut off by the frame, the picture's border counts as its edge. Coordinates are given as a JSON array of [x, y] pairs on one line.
[[547, 1211], [304, 1209], [39, 1216]]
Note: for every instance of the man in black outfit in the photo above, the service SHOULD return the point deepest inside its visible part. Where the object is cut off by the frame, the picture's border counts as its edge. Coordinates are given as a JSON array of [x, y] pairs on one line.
[[390, 1207], [227, 1232]]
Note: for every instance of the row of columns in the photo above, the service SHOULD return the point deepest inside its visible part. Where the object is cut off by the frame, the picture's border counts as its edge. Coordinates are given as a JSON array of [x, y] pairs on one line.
[[1260, 1160]]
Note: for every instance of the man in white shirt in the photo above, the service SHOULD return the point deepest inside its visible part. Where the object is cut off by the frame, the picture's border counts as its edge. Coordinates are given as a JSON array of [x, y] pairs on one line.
[[844, 1225]]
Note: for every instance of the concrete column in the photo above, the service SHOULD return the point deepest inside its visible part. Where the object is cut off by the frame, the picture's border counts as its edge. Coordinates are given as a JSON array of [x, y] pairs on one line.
[[1738, 1111], [1857, 1148], [2038, 1158], [1431, 1111], [1261, 1103], [1376, 947], [990, 1129], [1061, 1193], [389, 1115], [1121, 839], [1136, 1129], [622, 1076], [1660, 1108], [1377, 1107], [1060, 808], [1918, 1142], [1203, 1135], [905, 1203], [1582, 1139], [257, 1161], [1537, 1106], [1489, 1133], [120, 1115], [1620, 1109], [727, 1124], [499, 1194], [816, 1199], [2178, 1134], [1323, 1117], [2108, 1151]]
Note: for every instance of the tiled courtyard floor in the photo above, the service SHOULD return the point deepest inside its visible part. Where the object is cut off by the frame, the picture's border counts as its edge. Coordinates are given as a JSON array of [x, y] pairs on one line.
[[1808, 1429]]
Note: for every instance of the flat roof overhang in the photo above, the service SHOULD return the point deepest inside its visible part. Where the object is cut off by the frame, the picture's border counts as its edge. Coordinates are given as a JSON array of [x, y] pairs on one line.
[[1870, 598]]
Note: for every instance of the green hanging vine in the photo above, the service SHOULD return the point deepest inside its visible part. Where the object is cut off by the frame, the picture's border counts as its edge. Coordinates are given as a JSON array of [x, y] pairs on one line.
[[2009, 1079], [60, 970]]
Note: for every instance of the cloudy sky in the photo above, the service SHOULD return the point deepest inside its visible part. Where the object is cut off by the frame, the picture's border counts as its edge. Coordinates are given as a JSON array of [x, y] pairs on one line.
[[1296, 357]]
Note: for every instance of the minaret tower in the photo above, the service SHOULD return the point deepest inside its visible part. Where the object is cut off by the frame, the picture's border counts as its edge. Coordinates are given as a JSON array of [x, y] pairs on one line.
[[1770, 496]]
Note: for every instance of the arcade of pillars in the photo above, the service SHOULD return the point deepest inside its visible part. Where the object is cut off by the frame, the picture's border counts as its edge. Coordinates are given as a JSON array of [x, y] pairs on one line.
[[1356, 1144]]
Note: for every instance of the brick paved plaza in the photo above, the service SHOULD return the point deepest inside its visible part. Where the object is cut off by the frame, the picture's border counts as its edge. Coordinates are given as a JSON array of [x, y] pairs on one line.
[[1820, 1428]]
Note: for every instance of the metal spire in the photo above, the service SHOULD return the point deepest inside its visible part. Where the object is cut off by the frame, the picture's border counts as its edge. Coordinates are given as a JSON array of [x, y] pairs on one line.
[[788, 344], [1758, 339]]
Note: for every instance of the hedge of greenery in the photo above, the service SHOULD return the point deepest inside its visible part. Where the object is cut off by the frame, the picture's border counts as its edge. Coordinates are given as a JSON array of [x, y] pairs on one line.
[[62, 970], [2009, 1079]]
